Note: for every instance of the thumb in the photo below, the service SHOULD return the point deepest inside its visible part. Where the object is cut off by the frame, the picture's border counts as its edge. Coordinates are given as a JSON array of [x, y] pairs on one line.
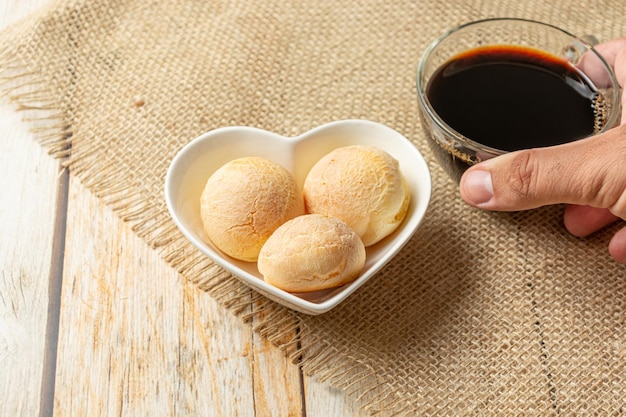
[[586, 172]]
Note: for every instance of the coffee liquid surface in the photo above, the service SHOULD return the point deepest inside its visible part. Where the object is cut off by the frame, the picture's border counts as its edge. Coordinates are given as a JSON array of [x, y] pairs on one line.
[[510, 98]]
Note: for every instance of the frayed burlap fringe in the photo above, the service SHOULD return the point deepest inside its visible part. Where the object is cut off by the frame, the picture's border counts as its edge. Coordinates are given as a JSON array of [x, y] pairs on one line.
[[35, 100]]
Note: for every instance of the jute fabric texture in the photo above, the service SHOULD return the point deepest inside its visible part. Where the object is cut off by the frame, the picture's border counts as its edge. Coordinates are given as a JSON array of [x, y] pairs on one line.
[[480, 314]]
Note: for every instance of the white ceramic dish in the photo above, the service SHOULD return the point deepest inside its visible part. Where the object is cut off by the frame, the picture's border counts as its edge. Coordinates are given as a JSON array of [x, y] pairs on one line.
[[193, 165]]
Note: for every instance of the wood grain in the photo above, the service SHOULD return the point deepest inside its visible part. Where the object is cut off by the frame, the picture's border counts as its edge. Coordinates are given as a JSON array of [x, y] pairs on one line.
[[27, 213], [137, 339]]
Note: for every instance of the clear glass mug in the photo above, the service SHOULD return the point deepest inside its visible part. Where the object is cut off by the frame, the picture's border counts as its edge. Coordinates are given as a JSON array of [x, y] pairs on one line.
[[457, 152]]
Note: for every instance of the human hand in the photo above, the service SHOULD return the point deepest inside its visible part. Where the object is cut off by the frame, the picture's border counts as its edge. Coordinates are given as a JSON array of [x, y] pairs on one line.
[[589, 175]]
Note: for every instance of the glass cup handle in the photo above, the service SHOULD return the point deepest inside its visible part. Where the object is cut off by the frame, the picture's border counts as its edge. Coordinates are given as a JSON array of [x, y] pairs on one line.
[[574, 50]]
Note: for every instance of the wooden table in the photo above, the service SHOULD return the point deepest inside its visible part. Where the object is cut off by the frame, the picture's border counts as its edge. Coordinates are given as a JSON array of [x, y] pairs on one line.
[[94, 323]]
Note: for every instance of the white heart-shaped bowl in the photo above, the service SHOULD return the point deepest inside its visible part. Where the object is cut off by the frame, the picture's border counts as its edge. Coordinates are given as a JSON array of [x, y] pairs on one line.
[[194, 164]]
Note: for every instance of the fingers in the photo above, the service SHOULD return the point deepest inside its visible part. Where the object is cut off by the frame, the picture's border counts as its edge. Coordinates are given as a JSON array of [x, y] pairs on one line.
[[586, 172], [610, 49], [617, 246], [614, 52], [582, 221]]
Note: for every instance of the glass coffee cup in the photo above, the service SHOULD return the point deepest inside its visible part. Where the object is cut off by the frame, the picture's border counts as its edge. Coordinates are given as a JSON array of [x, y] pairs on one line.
[[498, 85]]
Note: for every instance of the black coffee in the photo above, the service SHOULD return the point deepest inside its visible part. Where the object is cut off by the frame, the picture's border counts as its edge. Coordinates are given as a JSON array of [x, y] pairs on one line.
[[509, 98]]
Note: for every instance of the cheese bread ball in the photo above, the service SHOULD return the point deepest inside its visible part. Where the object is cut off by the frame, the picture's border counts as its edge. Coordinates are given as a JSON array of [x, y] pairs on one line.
[[310, 253], [244, 201], [361, 185]]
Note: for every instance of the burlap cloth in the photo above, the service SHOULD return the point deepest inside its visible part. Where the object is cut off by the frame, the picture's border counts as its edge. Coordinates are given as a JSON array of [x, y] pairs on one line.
[[480, 314]]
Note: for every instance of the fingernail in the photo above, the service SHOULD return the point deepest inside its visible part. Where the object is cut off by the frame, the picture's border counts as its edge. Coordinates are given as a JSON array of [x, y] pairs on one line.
[[477, 186]]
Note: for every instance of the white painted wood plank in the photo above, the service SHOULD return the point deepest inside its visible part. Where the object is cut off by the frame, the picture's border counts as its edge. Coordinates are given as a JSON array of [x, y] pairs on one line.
[[28, 183], [137, 339]]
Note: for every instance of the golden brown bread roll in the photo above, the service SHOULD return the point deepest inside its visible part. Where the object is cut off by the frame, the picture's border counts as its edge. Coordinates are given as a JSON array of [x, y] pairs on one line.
[[361, 185], [310, 253], [244, 201]]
